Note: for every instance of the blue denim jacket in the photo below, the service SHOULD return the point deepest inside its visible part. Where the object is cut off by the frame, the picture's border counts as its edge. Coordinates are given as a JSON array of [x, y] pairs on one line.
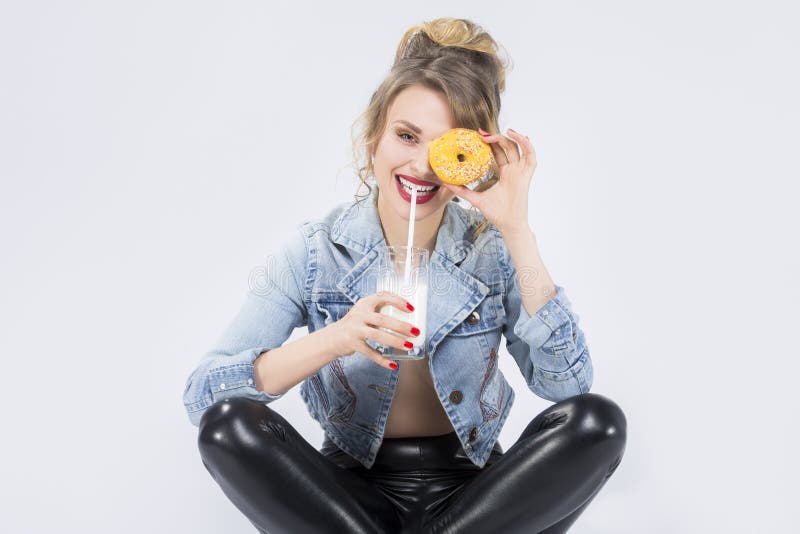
[[473, 298]]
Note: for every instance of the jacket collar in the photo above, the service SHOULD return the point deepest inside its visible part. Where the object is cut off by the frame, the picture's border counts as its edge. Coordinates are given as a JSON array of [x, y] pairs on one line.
[[359, 228], [454, 291]]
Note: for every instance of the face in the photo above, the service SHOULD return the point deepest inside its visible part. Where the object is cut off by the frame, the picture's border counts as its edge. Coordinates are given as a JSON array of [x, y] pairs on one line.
[[417, 116]]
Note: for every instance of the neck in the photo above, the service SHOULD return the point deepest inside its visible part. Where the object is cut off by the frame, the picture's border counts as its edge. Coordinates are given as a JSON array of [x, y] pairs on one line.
[[395, 228]]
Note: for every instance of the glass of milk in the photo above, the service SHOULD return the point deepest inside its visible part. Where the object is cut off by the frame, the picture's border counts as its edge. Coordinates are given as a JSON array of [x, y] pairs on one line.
[[404, 271]]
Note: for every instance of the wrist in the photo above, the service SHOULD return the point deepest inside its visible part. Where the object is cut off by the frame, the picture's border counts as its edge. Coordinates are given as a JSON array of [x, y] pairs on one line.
[[329, 335], [517, 232], [257, 363]]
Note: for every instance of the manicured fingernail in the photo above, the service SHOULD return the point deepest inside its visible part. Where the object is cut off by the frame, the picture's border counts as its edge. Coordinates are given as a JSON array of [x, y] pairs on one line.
[[414, 331], [483, 132], [409, 306], [393, 365], [408, 344], [510, 130]]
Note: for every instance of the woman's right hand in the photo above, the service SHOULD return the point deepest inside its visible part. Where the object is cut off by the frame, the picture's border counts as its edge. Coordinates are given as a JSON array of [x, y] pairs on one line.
[[363, 321]]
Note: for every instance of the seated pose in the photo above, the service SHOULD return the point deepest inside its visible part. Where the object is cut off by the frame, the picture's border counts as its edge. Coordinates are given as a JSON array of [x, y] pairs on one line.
[[411, 444]]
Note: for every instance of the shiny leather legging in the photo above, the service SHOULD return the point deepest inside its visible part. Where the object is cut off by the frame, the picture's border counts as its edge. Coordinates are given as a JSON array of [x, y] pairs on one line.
[[540, 485]]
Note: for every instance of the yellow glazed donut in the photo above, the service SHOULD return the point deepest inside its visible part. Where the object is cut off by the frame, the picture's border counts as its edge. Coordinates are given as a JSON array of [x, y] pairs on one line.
[[460, 157]]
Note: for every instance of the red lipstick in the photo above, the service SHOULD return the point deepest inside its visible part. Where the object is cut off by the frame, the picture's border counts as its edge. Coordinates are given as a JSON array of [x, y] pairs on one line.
[[422, 197]]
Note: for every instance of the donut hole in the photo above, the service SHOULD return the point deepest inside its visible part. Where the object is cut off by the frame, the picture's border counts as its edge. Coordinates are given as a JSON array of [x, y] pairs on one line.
[[461, 158]]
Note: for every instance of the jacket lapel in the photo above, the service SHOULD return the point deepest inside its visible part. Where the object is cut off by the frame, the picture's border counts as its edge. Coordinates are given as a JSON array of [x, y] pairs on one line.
[[452, 295], [361, 280]]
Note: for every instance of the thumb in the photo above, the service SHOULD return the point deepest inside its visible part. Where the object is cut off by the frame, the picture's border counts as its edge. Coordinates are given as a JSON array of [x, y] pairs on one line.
[[463, 192]]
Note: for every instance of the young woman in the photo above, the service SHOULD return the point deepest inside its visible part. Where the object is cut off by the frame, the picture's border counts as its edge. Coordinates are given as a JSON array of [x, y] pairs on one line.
[[411, 446]]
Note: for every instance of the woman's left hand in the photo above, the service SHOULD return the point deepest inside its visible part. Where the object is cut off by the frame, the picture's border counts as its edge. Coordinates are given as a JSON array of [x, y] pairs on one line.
[[505, 204]]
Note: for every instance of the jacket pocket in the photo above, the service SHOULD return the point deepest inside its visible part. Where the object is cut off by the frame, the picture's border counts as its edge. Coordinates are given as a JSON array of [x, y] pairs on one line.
[[339, 398], [488, 315], [331, 311], [493, 388], [336, 397]]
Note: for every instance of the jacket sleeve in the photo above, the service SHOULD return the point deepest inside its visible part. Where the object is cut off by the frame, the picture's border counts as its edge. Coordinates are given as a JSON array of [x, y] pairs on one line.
[[272, 309], [549, 347]]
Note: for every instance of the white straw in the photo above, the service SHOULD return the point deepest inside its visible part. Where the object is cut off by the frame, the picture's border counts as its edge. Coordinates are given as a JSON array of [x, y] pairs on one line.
[[411, 232]]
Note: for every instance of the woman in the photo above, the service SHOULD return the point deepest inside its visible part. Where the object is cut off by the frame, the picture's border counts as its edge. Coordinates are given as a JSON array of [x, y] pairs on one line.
[[411, 447]]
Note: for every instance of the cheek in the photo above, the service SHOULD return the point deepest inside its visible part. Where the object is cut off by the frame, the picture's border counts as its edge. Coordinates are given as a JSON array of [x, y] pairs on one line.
[[389, 155]]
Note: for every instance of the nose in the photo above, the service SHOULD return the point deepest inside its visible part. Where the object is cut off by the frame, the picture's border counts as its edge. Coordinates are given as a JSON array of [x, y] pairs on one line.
[[421, 166]]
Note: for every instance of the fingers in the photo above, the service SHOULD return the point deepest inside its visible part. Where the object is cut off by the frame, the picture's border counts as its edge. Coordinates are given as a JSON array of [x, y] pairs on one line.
[[510, 148], [361, 321], [400, 328], [387, 339], [364, 322], [505, 150], [464, 192], [528, 152], [498, 151], [376, 356], [382, 298]]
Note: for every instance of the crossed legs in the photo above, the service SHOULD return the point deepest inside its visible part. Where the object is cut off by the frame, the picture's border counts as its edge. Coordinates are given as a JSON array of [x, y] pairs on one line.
[[540, 484]]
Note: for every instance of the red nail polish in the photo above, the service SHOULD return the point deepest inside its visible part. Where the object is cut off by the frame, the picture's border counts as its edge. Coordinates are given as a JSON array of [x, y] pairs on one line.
[[393, 365], [409, 306], [408, 345], [414, 331]]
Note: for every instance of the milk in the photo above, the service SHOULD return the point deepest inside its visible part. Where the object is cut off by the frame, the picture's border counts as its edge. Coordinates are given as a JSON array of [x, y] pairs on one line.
[[415, 292]]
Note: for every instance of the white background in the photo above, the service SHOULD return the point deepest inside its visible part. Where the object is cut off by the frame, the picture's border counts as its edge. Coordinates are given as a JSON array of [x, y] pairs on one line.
[[153, 153]]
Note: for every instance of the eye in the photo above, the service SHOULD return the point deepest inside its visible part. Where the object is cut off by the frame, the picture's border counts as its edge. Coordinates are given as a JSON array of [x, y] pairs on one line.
[[409, 139]]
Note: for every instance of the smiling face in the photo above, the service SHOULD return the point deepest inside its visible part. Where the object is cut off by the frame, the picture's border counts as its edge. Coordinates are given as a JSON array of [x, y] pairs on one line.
[[417, 116]]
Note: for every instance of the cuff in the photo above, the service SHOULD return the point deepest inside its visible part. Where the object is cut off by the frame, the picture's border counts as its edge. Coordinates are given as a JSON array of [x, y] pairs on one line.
[[238, 378], [550, 318]]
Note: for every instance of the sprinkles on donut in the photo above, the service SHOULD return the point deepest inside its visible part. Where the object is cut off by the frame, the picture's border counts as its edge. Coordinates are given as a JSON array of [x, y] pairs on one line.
[[461, 157]]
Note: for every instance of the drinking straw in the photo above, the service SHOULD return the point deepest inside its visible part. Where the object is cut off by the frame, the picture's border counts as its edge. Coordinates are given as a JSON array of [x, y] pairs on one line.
[[410, 232]]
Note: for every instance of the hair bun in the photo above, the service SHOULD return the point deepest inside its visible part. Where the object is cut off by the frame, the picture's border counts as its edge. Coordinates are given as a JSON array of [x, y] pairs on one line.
[[438, 37]]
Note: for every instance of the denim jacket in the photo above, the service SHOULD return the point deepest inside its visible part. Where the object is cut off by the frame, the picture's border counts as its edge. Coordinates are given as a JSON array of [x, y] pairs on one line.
[[473, 298]]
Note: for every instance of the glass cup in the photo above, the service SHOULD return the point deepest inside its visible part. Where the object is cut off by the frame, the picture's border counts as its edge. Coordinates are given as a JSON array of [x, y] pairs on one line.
[[410, 281]]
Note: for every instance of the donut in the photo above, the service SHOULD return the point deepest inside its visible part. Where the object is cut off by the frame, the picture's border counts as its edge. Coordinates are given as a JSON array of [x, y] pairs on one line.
[[461, 157]]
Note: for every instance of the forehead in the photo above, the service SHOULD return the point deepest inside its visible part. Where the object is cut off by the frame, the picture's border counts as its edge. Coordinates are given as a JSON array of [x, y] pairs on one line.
[[425, 108]]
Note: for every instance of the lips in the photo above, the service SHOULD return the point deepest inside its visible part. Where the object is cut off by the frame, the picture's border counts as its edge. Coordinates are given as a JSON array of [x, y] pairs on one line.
[[421, 198], [417, 181]]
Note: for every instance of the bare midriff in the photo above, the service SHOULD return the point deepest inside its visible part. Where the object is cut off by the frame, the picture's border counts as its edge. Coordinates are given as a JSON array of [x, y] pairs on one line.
[[416, 410]]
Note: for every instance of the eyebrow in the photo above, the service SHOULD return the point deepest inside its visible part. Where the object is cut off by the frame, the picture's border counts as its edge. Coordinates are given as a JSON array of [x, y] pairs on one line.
[[416, 129]]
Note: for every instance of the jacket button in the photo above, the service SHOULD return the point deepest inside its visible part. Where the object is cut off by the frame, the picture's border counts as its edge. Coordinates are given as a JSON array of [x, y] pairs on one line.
[[473, 434], [456, 396], [473, 318]]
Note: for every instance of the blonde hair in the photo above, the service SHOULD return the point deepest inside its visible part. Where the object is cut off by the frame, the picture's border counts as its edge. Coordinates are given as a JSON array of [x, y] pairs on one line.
[[453, 56]]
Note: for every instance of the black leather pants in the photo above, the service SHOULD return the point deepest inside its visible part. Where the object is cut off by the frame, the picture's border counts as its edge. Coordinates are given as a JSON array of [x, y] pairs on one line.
[[540, 485]]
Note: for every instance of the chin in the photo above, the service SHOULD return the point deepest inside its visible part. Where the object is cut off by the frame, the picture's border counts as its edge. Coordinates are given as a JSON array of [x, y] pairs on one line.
[[403, 208]]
